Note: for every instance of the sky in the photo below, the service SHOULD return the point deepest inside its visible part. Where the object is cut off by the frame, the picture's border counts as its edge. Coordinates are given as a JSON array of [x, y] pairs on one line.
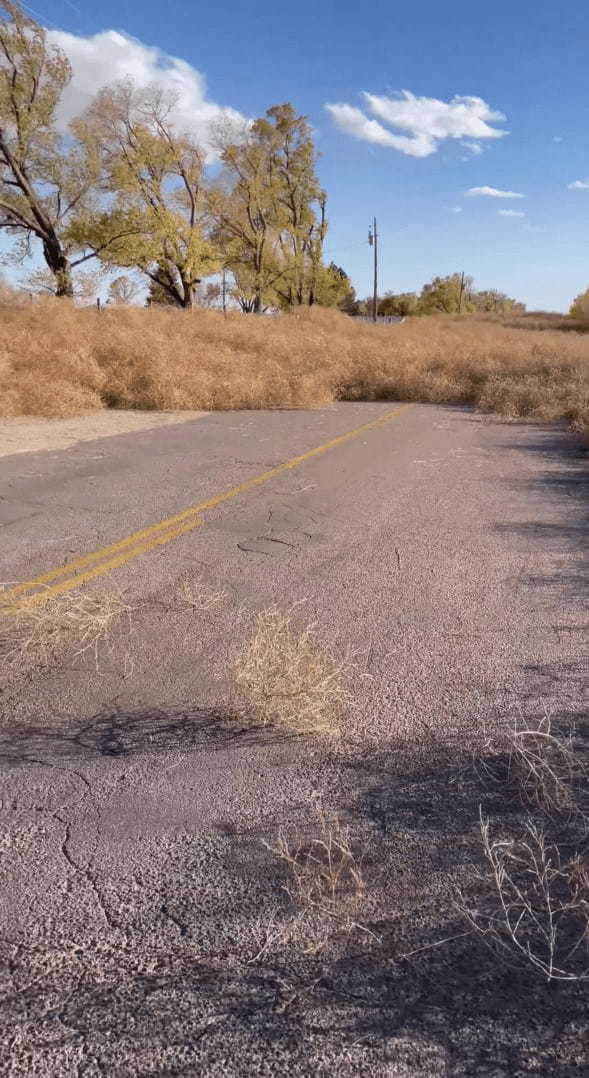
[[462, 127]]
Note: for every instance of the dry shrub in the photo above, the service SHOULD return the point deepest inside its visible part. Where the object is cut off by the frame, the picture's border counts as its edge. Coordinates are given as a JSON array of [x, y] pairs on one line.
[[81, 620], [541, 912], [56, 359], [288, 679], [538, 907], [546, 771]]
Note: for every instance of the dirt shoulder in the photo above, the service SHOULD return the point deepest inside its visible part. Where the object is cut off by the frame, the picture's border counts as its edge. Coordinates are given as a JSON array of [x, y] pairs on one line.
[[34, 435]]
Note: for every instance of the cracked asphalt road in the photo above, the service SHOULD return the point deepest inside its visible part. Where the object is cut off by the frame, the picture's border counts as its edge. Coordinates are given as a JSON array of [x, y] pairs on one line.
[[142, 918]]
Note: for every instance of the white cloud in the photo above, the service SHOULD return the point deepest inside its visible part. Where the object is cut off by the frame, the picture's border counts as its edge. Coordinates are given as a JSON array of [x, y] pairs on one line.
[[426, 120], [456, 209], [109, 56], [510, 213], [557, 138], [474, 148], [578, 185], [493, 192]]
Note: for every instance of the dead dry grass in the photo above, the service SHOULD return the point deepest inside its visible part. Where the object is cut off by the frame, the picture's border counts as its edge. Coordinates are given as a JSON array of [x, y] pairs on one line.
[[537, 908], [288, 679], [58, 360], [325, 883], [77, 620]]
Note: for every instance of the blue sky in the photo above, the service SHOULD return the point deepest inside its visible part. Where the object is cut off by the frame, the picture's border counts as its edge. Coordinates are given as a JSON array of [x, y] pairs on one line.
[[527, 61]]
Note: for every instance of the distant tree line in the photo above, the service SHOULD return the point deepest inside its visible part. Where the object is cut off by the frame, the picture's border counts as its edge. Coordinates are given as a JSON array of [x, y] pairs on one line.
[[443, 295], [124, 188]]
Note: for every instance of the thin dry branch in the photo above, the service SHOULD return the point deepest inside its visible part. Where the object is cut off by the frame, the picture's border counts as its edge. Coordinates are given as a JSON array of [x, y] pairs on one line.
[[539, 910]]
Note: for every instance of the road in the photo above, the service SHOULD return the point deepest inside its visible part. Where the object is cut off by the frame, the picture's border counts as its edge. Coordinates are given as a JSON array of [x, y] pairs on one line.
[[443, 555]]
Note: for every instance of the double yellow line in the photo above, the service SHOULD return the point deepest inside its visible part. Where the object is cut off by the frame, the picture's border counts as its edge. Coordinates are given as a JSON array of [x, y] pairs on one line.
[[66, 577]]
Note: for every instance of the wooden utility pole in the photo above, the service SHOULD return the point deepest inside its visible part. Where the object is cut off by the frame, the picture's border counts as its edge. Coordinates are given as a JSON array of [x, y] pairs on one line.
[[224, 291], [373, 241]]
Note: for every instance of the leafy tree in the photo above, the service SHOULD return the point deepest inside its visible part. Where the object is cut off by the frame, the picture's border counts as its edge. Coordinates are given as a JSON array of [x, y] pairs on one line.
[[350, 304], [580, 306], [450, 295], [498, 302], [122, 290], [44, 178], [243, 206], [158, 222], [270, 212], [401, 305], [332, 286], [300, 211]]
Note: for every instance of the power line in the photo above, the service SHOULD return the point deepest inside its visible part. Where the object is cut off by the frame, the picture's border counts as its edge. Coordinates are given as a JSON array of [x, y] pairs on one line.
[[37, 15], [335, 250]]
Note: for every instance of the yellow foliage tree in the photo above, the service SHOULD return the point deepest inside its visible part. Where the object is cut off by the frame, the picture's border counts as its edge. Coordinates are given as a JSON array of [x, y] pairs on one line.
[[270, 211], [157, 222], [45, 177]]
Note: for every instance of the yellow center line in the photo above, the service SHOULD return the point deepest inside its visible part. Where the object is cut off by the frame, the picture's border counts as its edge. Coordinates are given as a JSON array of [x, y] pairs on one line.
[[146, 539]]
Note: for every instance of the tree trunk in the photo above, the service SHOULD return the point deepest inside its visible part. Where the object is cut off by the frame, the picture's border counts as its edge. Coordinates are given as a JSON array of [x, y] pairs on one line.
[[63, 280], [188, 292], [60, 267]]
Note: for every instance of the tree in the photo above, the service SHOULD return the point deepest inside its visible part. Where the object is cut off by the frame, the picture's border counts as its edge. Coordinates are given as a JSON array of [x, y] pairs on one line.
[[580, 306], [333, 287], [350, 304], [44, 178], [270, 212], [401, 305], [300, 212], [450, 295], [158, 221], [497, 302], [122, 290]]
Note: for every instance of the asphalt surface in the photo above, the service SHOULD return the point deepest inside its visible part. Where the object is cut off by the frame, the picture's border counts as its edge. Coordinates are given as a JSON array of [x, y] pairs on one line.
[[443, 554]]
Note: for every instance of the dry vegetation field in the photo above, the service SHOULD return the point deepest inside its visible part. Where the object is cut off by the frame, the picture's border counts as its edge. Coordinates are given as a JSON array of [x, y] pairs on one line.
[[58, 360]]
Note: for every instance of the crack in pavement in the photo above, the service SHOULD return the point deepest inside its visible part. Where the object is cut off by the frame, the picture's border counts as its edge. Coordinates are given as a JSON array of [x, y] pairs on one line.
[[56, 814]]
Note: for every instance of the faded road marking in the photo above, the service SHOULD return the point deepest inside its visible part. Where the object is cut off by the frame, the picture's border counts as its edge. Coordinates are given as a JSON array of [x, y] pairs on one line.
[[116, 554]]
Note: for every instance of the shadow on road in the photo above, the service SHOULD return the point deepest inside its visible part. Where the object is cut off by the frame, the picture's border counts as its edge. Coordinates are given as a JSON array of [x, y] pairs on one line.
[[412, 1003], [120, 733]]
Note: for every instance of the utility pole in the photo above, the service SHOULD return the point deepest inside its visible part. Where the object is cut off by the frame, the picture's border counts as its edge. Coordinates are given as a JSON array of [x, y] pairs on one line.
[[224, 291], [373, 241], [461, 292]]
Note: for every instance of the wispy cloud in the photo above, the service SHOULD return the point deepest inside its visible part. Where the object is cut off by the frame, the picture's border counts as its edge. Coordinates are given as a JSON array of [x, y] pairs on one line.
[[557, 138], [108, 56], [579, 185], [473, 148], [510, 213], [416, 125], [456, 209], [493, 192]]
